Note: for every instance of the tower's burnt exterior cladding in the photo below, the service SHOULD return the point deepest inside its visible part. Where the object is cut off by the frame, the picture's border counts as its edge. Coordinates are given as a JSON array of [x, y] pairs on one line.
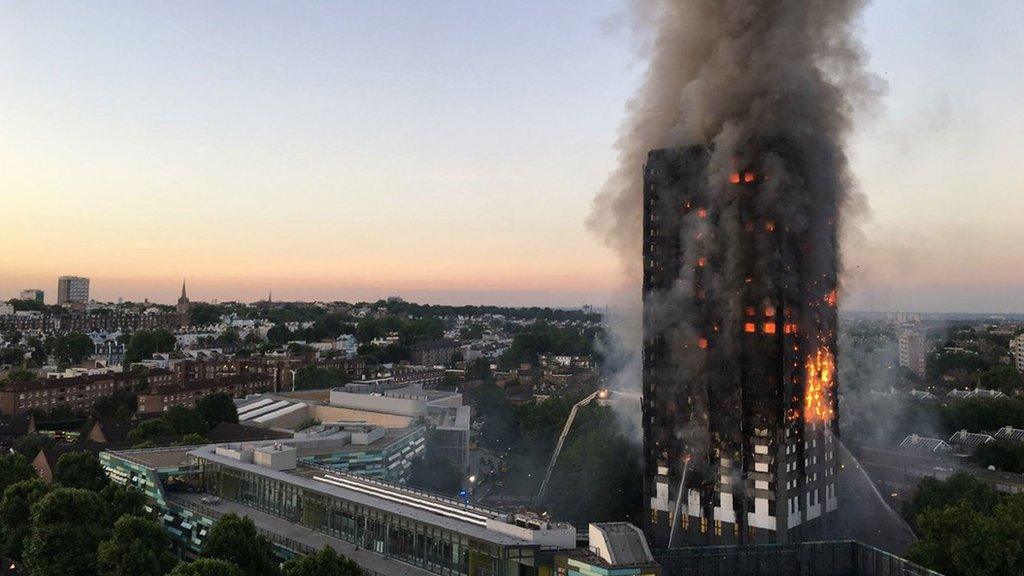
[[739, 342]]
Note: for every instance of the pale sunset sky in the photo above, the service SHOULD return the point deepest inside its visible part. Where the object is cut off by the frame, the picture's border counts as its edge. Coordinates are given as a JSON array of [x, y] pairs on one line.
[[447, 151]]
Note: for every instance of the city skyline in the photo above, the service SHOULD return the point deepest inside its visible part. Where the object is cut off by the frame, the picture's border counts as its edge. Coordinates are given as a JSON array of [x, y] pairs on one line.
[[137, 154]]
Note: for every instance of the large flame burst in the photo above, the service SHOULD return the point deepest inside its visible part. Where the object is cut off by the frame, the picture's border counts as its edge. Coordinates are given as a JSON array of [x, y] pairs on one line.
[[821, 373]]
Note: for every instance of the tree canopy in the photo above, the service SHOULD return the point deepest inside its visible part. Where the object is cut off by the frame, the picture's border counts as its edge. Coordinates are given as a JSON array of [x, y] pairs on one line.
[[966, 528], [80, 470], [15, 468], [326, 562], [1004, 455], [207, 567], [65, 533], [72, 348], [217, 408], [144, 343], [235, 539], [312, 377], [16, 515], [137, 547]]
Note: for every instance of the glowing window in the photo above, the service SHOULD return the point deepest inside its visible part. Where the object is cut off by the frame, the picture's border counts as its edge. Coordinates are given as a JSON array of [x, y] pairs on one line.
[[749, 310], [769, 327], [702, 213], [769, 226], [734, 178], [750, 327], [702, 261], [769, 311], [702, 342], [748, 177]]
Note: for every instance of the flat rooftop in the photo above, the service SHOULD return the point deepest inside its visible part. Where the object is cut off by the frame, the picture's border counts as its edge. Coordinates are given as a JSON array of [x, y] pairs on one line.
[[442, 512], [417, 393], [391, 436], [158, 457], [298, 534]]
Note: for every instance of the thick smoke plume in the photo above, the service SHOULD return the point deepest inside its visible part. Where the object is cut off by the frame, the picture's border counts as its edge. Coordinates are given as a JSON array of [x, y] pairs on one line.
[[729, 74]]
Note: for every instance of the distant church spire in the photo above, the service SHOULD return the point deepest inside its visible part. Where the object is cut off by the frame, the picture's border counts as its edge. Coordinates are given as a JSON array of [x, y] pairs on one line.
[[183, 303]]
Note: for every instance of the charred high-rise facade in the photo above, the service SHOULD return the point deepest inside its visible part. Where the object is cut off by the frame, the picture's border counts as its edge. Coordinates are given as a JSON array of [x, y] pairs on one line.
[[739, 391]]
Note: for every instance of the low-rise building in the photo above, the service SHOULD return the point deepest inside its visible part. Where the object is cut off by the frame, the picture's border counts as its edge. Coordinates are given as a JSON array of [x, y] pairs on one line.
[[384, 527], [187, 394], [434, 352], [615, 548], [76, 392], [363, 449]]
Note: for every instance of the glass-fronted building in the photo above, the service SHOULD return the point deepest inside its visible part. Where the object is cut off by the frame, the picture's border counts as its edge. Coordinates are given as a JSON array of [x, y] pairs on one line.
[[436, 534], [387, 458]]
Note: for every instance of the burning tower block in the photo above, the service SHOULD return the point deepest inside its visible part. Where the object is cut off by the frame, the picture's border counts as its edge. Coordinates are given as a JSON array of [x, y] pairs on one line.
[[740, 402]]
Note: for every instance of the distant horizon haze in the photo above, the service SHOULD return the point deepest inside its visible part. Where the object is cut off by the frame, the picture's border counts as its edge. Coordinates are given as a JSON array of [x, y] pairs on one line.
[[448, 152]]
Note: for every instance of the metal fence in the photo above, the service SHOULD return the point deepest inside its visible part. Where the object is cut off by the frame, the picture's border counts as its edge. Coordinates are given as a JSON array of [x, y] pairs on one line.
[[839, 558]]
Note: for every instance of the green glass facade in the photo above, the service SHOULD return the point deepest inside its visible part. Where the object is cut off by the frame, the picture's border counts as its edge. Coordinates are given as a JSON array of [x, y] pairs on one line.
[[390, 463]]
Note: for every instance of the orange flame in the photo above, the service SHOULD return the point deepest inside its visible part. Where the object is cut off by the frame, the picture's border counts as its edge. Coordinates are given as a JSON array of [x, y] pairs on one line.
[[821, 370], [830, 298]]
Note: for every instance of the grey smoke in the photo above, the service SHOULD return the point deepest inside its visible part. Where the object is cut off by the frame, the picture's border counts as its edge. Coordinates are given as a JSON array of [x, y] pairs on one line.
[[727, 73]]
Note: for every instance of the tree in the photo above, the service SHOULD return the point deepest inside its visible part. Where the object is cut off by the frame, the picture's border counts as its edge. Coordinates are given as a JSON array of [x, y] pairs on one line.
[[144, 343], [123, 500], [29, 445], [1005, 378], [119, 405], [72, 348], [184, 421], [960, 487], [420, 330], [201, 314], [15, 468], [597, 476], [311, 377], [12, 355], [960, 540], [21, 376], [235, 539], [326, 562], [279, 334], [148, 429], [217, 408], [1004, 455], [138, 547], [193, 438], [16, 515], [80, 470], [65, 534], [207, 567]]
